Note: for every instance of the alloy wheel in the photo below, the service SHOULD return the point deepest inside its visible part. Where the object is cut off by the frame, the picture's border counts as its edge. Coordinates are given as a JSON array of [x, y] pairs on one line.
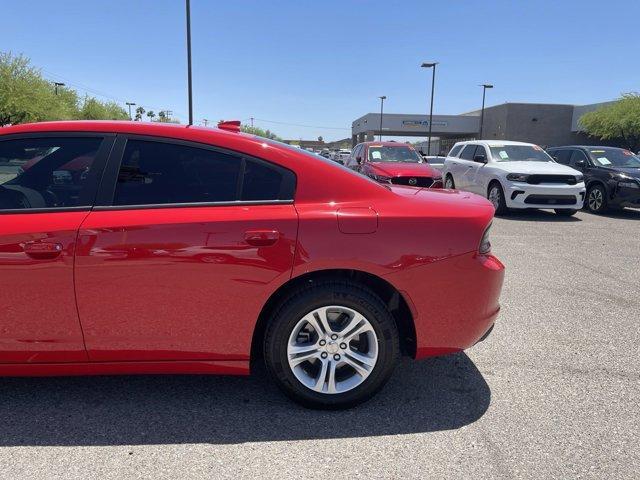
[[448, 183], [332, 349], [494, 197], [595, 199]]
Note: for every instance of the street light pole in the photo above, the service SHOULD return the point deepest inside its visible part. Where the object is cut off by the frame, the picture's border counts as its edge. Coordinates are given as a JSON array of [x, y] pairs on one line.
[[484, 91], [56, 85], [433, 84], [382, 99], [188, 4], [130, 104]]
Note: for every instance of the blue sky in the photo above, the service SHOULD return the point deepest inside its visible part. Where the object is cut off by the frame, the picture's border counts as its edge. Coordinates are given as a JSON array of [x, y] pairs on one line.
[[324, 63]]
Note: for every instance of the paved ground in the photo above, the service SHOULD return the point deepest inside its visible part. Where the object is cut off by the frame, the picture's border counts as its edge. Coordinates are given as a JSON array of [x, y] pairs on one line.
[[553, 393]]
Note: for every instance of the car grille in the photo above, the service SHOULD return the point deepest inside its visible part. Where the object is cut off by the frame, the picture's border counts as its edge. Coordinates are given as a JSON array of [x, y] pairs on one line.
[[551, 199], [424, 182], [566, 179]]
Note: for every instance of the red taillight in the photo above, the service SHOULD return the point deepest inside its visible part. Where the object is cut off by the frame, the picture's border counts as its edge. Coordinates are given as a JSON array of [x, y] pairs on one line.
[[229, 125]]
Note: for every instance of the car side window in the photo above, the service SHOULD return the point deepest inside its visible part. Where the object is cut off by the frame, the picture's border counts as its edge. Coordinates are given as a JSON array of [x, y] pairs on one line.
[[47, 172], [157, 173], [561, 156], [578, 155], [455, 150], [480, 150], [468, 152], [354, 154]]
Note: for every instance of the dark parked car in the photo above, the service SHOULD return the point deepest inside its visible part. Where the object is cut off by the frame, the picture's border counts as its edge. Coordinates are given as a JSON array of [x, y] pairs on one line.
[[611, 175]]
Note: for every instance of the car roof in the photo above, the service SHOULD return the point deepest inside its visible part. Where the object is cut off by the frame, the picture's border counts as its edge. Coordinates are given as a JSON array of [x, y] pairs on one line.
[[587, 147], [386, 144], [494, 143]]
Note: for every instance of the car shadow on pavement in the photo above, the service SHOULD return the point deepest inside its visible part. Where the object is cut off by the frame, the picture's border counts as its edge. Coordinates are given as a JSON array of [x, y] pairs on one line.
[[622, 214], [436, 394], [540, 216]]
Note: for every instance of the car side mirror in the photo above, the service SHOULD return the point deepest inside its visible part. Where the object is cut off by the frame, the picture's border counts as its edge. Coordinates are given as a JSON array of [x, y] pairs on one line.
[[480, 158], [359, 160], [581, 164]]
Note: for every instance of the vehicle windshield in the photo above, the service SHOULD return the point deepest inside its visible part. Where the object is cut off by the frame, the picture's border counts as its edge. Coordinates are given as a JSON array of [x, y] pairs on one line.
[[519, 153], [379, 153], [614, 157]]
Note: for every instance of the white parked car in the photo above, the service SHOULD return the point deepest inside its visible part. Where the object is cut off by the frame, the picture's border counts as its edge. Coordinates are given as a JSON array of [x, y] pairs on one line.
[[342, 155], [514, 175]]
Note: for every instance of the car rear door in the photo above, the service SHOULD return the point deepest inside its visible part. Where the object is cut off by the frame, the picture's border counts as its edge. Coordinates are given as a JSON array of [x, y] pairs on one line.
[[182, 251], [464, 166], [48, 183], [475, 178]]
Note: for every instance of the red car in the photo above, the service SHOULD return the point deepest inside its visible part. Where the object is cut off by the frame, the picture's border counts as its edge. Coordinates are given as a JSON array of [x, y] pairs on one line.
[[395, 163], [195, 250]]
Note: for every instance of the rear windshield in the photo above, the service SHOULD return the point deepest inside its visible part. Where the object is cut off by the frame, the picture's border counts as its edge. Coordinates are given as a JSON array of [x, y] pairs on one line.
[[614, 157], [519, 153], [393, 154]]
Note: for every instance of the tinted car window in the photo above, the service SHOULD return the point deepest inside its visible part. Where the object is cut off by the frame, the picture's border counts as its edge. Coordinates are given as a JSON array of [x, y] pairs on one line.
[[480, 150], [160, 173], [47, 172], [153, 173], [578, 155], [561, 156], [264, 181], [468, 152], [455, 150]]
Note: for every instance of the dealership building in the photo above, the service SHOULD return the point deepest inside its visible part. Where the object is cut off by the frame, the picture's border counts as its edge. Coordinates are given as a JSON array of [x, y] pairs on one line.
[[543, 124]]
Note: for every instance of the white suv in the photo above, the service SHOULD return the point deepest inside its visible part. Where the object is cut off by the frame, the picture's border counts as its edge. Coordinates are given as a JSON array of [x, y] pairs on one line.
[[514, 175]]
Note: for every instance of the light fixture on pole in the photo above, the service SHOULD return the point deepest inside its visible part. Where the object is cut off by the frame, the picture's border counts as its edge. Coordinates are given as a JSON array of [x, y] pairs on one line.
[[130, 104], [382, 99], [56, 85], [484, 91], [433, 82]]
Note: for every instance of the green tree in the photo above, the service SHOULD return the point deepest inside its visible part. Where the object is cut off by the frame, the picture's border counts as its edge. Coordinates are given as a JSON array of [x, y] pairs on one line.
[[139, 112], [260, 132], [151, 114], [25, 96], [619, 120], [93, 109]]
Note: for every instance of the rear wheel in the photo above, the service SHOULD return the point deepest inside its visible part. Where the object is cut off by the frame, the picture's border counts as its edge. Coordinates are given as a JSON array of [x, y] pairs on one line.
[[331, 345], [566, 212], [448, 183], [496, 197], [597, 199]]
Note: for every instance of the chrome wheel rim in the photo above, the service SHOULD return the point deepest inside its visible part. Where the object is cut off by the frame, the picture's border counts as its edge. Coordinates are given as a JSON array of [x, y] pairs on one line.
[[332, 349], [494, 197], [595, 199], [448, 183]]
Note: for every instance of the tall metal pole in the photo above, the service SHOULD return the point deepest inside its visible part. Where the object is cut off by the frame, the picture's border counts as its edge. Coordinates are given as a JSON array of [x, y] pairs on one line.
[[433, 84], [129, 104], [189, 61], [382, 99], [484, 91]]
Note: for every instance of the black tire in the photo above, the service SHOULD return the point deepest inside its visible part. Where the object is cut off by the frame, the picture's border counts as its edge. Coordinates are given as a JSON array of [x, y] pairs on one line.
[[321, 294], [596, 201], [449, 177], [566, 212], [501, 205]]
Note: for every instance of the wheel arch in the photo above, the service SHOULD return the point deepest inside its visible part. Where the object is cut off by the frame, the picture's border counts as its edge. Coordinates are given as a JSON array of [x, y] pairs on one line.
[[392, 297]]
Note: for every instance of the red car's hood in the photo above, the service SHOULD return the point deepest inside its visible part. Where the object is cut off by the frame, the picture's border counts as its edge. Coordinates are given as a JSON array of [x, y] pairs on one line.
[[408, 169]]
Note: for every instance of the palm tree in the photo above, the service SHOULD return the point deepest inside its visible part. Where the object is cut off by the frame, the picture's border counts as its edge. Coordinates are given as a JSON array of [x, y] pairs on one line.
[[151, 114]]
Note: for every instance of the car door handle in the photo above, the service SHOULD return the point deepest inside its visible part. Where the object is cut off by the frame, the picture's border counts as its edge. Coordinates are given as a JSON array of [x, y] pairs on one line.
[[42, 250], [261, 238]]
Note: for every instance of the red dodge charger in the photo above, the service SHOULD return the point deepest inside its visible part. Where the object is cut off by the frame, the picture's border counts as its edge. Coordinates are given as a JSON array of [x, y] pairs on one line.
[[129, 248]]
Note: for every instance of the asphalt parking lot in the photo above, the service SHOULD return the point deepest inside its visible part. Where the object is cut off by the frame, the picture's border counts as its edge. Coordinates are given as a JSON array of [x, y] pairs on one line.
[[552, 393]]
